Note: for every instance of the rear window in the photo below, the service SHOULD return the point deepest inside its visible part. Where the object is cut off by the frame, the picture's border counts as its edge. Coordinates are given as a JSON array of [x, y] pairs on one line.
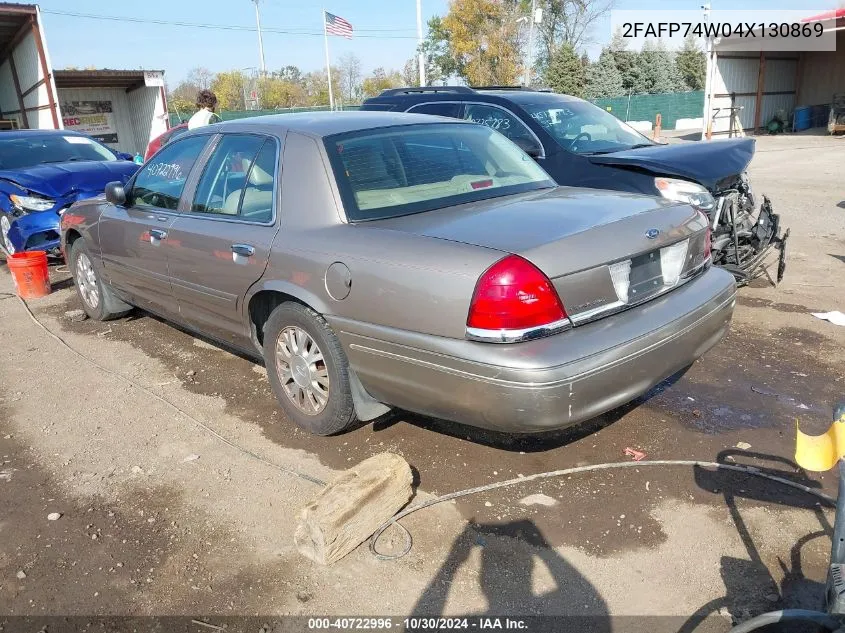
[[396, 171]]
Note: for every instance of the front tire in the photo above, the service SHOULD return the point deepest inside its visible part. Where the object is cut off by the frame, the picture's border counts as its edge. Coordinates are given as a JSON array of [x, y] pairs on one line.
[[98, 299], [308, 370], [5, 242]]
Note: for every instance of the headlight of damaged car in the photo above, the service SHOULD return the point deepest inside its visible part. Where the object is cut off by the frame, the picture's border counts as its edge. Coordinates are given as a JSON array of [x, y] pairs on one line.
[[685, 191], [31, 203]]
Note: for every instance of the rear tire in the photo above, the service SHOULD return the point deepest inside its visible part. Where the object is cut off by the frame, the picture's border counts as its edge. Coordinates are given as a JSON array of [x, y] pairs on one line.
[[308, 370], [98, 299]]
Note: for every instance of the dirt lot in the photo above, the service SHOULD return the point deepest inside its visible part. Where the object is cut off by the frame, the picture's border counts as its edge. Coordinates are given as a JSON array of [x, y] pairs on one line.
[[161, 517]]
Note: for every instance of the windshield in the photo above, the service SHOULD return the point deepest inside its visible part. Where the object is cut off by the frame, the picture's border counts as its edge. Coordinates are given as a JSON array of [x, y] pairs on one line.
[[401, 170], [583, 128], [29, 151]]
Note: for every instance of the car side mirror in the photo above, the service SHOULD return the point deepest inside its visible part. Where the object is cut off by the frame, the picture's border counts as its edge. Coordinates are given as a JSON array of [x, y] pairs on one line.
[[530, 147], [115, 193], [125, 156]]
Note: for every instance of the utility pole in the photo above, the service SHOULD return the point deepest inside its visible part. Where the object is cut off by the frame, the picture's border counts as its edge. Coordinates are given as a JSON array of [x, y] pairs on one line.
[[528, 63], [419, 42], [260, 41]]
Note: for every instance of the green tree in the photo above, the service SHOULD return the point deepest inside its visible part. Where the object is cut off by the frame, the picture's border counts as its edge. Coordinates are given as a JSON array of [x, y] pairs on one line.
[[479, 40], [317, 86], [183, 98], [565, 72], [228, 87], [656, 70], [626, 62], [381, 80], [692, 64], [439, 62], [275, 92], [603, 78]]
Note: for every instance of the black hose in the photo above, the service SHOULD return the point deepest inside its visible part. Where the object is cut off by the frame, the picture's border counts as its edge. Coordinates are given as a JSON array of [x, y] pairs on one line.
[[788, 615]]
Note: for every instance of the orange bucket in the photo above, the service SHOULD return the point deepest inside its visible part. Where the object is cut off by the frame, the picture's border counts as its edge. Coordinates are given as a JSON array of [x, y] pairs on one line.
[[29, 272]]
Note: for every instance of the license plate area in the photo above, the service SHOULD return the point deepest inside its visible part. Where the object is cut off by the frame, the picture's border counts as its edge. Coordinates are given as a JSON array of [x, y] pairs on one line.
[[646, 276]]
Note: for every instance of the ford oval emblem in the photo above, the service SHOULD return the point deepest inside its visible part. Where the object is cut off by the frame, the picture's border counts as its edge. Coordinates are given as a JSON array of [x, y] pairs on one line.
[[652, 234]]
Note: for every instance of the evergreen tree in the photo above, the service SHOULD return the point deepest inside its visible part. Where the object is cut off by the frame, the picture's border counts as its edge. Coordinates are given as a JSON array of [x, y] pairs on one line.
[[656, 70], [691, 62], [565, 72], [604, 78], [626, 62]]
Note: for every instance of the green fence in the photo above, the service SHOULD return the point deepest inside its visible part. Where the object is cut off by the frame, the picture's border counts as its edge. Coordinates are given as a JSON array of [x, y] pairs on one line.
[[671, 107], [231, 115]]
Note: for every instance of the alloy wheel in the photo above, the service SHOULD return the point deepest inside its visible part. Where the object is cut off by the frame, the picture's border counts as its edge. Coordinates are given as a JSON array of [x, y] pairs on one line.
[[302, 370], [86, 280], [5, 227]]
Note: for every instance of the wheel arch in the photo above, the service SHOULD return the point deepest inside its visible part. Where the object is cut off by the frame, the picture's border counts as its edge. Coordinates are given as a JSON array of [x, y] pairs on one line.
[[267, 296]]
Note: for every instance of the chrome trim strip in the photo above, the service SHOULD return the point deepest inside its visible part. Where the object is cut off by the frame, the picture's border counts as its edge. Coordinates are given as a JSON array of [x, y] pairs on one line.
[[620, 306], [517, 336], [583, 317]]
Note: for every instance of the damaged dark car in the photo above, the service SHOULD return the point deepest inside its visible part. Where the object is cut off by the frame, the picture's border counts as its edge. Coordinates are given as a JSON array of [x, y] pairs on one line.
[[582, 145], [42, 173]]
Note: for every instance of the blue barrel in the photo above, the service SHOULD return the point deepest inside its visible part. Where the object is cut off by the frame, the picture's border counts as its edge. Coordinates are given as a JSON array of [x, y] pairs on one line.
[[803, 118]]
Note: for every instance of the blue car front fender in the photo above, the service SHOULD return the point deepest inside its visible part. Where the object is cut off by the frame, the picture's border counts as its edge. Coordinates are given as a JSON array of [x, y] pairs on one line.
[[29, 225]]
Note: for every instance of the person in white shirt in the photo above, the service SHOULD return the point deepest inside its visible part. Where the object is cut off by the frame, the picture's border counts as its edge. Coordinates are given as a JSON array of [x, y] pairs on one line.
[[207, 103]]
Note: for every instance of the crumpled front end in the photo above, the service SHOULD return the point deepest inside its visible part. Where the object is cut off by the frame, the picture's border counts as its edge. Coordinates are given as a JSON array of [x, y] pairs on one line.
[[40, 230], [747, 242]]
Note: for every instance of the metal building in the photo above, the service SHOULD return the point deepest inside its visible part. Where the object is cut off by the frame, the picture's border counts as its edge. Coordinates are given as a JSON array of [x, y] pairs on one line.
[[744, 90], [123, 108], [27, 89]]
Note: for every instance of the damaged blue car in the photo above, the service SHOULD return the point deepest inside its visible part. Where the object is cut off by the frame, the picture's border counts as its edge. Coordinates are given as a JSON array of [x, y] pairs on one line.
[[42, 173]]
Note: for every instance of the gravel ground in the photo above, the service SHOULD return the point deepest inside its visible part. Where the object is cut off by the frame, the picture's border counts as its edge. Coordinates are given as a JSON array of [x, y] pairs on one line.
[[160, 517]]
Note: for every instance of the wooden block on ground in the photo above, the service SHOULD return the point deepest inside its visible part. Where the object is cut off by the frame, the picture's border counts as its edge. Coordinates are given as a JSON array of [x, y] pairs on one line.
[[350, 508]]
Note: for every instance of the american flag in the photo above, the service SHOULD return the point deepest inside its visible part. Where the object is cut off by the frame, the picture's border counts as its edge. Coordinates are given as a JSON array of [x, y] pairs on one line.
[[336, 25]]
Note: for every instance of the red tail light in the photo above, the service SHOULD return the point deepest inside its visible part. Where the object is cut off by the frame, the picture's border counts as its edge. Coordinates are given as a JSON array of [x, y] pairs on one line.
[[513, 294]]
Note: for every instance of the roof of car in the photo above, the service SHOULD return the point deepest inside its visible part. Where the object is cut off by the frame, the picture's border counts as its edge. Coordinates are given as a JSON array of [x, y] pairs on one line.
[[326, 123], [463, 93], [30, 133]]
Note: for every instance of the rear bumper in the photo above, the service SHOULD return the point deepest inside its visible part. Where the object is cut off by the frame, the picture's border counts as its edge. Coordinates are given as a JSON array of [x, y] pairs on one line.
[[549, 383]]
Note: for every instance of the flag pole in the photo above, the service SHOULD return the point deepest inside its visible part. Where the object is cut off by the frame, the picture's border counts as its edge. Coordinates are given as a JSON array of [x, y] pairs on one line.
[[328, 65]]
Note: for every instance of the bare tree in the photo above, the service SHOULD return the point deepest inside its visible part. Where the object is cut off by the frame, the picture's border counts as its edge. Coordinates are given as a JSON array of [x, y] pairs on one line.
[[568, 22], [350, 77], [200, 77]]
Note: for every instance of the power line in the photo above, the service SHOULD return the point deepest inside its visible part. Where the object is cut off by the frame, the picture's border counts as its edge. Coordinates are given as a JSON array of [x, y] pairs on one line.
[[222, 27]]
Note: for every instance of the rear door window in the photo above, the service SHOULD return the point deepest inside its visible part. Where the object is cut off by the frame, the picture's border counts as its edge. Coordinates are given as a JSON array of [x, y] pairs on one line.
[[161, 181], [500, 120], [238, 179], [440, 109]]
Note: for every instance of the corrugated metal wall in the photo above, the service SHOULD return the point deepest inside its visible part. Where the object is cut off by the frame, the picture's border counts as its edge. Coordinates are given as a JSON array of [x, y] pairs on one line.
[[738, 75], [822, 74], [29, 72], [132, 113], [8, 99], [146, 111]]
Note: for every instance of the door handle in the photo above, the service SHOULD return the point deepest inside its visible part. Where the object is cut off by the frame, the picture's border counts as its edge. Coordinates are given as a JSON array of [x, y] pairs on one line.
[[245, 250], [157, 234]]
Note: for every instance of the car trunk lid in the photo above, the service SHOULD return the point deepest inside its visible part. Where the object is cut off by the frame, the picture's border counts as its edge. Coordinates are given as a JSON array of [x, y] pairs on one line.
[[602, 250]]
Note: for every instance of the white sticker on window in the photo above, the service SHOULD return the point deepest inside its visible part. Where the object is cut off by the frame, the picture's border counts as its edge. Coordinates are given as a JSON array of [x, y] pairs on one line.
[[78, 140]]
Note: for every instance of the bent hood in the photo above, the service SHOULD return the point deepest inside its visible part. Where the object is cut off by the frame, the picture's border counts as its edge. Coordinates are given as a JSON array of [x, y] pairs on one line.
[[704, 162], [60, 179]]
